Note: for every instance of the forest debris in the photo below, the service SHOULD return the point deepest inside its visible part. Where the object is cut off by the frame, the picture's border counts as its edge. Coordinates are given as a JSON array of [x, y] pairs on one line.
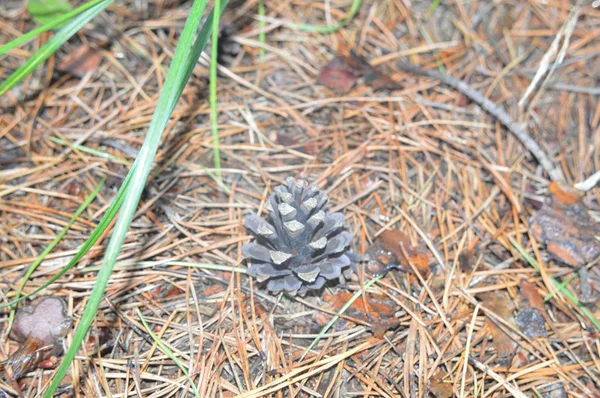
[[40, 329], [379, 311], [531, 323], [567, 229], [343, 71], [501, 304], [389, 252], [45, 319], [81, 60], [440, 388]]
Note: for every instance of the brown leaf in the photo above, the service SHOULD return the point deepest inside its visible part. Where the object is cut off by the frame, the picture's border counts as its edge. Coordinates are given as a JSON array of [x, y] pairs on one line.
[[568, 231], [338, 75], [343, 71], [379, 311], [82, 60], [45, 320], [530, 296], [398, 243], [564, 195], [501, 305], [27, 358], [440, 388]]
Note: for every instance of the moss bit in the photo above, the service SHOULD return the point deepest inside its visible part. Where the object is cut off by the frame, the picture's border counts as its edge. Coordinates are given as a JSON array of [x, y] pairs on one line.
[[301, 246]]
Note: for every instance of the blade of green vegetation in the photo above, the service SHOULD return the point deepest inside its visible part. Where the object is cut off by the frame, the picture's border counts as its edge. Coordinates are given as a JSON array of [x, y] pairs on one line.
[[324, 29], [357, 294], [262, 37], [55, 242], [169, 352], [214, 113], [177, 76], [556, 283], [52, 45], [45, 11], [46, 27], [111, 212]]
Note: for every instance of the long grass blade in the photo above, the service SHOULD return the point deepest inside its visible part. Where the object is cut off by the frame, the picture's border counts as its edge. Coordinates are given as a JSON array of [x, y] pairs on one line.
[[214, 112], [165, 348], [46, 27], [177, 76], [52, 45], [56, 241]]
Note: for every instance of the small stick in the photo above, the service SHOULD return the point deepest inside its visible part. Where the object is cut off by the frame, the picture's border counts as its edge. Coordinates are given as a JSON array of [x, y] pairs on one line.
[[494, 110]]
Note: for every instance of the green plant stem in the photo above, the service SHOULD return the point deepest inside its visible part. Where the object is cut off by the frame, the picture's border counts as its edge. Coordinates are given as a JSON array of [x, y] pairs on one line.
[[262, 37], [324, 29], [169, 352], [55, 242], [46, 27], [214, 113], [177, 76]]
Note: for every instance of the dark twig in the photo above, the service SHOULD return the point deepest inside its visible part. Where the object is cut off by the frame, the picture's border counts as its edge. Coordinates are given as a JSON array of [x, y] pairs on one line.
[[494, 110]]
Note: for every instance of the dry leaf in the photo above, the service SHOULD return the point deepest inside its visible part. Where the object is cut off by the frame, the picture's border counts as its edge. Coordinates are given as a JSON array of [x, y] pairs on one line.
[[27, 358], [379, 311], [389, 252], [440, 388], [338, 75], [501, 305], [568, 231], [565, 195], [343, 71], [82, 60]]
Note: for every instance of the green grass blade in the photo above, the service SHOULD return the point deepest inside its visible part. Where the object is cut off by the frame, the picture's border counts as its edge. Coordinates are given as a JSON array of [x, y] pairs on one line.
[[56, 240], [262, 37], [174, 83], [324, 29], [169, 353], [52, 45], [46, 27], [587, 313], [214, 113], [111, 212]]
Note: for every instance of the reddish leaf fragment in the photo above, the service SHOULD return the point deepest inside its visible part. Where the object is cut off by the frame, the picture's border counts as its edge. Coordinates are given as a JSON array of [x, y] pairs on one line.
[[338, 75], [568, 231], [530, 296], [82, 60], [440, 388], [45, 319], [379, 311], [343, 71], [565, 195], [390, 250], [501, 305], [27, 358]]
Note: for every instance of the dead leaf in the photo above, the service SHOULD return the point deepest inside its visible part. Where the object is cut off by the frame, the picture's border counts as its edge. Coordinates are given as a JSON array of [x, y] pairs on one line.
[[343, 71], [389, 251], [338, 75], [530, 296], [440, 388], [82, 60], [379, 311], [27, 357], [565, 195], [568, 231], [501, 305]]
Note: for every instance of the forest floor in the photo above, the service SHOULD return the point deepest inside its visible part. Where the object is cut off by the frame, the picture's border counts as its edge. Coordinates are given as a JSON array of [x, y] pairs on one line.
[[495, 285]]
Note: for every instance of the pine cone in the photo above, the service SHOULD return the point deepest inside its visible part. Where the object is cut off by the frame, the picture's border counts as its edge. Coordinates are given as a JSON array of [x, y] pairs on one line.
[[301, 246]]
